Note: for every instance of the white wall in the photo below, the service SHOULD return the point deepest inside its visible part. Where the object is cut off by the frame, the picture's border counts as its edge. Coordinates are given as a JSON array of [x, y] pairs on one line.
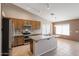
[[0, 28]]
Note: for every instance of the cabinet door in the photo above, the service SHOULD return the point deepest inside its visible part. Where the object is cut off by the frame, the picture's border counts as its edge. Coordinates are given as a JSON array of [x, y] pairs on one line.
[[20, 40], [38, 25], [15, 42], [15, 23], [33, 23], [20, 25], [27, 22]]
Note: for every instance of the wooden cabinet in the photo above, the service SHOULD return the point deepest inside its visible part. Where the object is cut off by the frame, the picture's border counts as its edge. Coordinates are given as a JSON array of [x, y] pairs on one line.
[[18, 24], [15, 23], [18, 41], [14, 43], [36, 25], [33, 23]]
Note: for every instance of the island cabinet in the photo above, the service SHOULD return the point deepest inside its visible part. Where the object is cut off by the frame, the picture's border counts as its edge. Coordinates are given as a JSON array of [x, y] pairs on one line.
[[43, 44]]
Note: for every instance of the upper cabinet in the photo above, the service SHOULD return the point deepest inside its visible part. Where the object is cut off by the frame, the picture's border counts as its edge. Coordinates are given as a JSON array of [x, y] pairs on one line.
[[18, 24], [36, 24]]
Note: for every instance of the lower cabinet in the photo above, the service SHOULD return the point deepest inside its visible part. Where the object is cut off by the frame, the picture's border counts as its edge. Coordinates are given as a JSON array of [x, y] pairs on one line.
[[18, 41]]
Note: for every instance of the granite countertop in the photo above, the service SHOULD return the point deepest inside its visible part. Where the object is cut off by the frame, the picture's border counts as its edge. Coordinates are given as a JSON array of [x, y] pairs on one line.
[[35, 37], [26, 35], [40, 37]]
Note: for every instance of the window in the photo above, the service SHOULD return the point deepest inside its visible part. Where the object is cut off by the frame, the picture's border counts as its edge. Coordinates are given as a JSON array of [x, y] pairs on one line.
[[63, 29]]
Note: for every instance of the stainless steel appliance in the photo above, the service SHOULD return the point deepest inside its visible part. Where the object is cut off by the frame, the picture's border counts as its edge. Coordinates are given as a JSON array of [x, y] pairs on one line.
[[26, 32]]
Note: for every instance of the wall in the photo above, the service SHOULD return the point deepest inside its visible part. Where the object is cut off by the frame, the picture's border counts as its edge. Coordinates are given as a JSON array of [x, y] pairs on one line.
[[74, 29], [0, 28]]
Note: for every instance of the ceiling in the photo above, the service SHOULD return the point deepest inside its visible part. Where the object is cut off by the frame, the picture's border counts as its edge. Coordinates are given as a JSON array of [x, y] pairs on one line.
[[52, 11]]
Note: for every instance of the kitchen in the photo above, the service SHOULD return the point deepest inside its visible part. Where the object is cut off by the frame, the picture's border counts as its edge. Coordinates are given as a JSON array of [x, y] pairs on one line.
[[28, 31]]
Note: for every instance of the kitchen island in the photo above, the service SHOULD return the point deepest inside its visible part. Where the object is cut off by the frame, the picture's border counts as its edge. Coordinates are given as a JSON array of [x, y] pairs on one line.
[[43, 44], [40, 44]]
